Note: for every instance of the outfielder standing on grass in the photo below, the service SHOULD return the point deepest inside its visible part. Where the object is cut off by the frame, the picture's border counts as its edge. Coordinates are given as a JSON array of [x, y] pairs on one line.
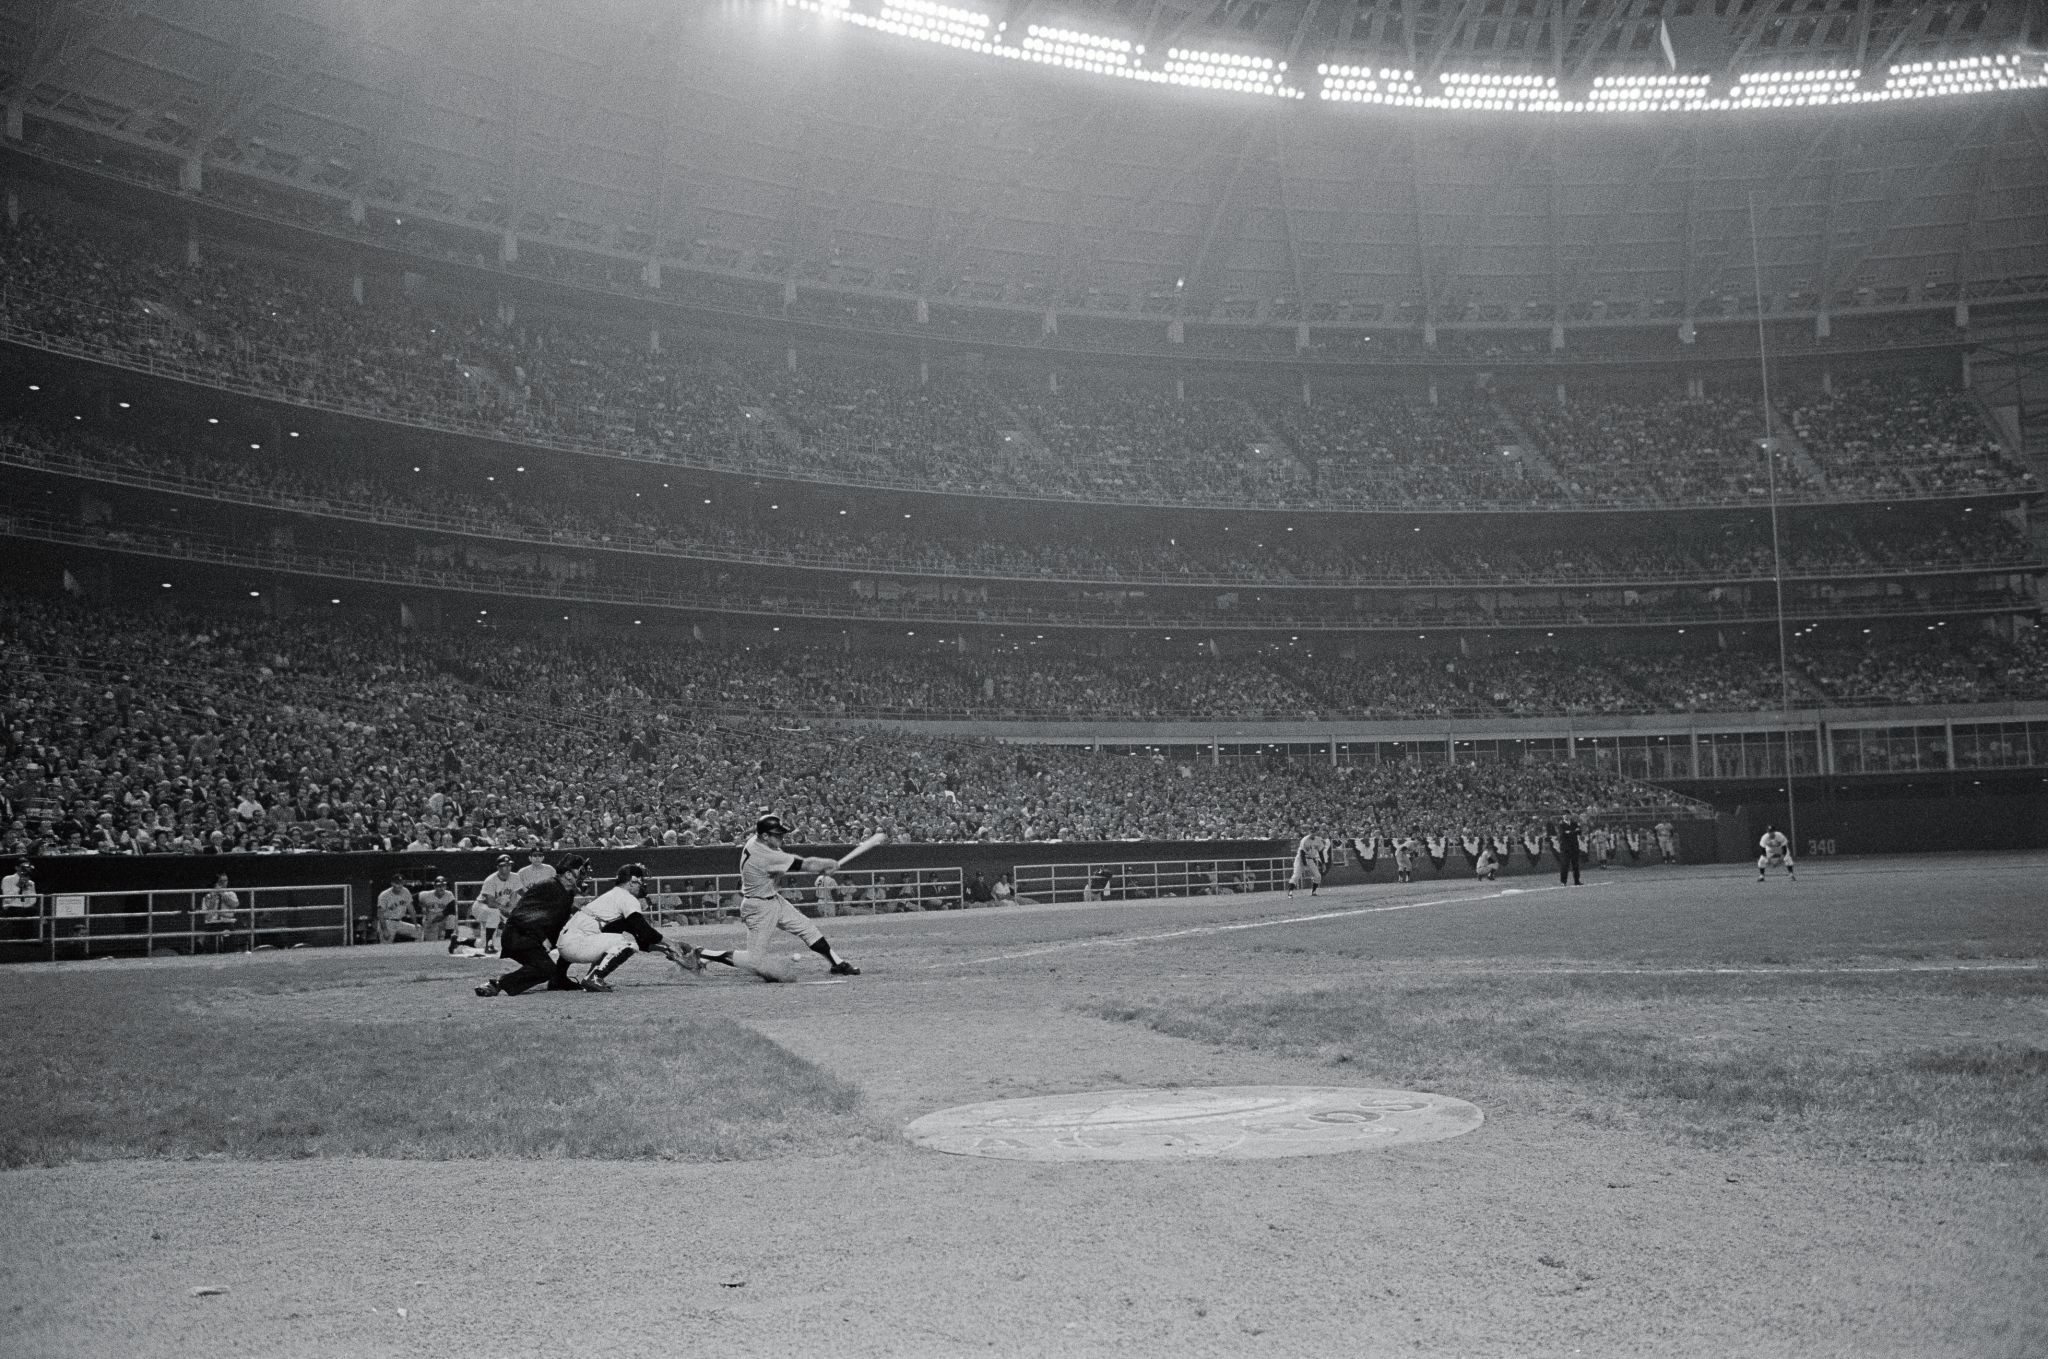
[[1777, 853], [764, 910]]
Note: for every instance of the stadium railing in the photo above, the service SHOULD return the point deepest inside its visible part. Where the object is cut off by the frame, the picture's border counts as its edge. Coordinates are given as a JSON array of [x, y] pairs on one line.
[[1144, 880], [81, 925], [705, 900]]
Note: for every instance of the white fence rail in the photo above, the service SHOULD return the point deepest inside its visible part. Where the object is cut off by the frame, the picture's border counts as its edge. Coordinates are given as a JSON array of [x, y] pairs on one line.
[[705, 899], [139, 924], [1144, 880]]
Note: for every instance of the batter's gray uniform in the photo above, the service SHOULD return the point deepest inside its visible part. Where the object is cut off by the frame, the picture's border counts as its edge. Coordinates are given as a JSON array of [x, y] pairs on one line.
[[763, 908]]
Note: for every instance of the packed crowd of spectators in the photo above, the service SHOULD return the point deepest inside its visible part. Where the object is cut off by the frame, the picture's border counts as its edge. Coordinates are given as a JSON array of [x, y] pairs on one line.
[[1969, 671], [1645, 442], [1901, 434], [153, 733], [133, 732], [120, 291], [512, 569], [156, 731], [1277, 556], [1396, 449], [1136, 442]]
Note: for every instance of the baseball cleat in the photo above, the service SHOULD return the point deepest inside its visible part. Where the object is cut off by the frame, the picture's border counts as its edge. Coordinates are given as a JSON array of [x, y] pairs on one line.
[[596, 984], [845, 969], [490, 988]]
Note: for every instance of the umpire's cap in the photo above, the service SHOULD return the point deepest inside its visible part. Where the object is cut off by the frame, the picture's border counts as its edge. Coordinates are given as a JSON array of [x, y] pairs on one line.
[[572, 863], [770, 824], [630, 872]]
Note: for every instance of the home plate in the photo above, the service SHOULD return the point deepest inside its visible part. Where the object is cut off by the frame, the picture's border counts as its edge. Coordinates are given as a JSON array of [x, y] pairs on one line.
[[1232, 1123]]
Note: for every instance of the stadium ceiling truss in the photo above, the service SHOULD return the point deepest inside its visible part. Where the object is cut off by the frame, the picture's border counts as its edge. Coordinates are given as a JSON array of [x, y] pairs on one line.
[[740, 139]]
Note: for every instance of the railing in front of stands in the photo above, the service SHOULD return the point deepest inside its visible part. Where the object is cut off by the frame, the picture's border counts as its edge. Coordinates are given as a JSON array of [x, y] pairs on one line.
[[1146, 880], [715, 899], [76, 926]]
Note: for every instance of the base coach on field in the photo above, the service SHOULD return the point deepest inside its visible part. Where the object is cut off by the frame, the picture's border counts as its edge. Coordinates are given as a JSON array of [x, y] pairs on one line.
[[1568, 849]]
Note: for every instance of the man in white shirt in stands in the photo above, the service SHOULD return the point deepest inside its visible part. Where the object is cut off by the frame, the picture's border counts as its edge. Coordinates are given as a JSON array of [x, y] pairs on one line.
[[19, 903], [764, 910]]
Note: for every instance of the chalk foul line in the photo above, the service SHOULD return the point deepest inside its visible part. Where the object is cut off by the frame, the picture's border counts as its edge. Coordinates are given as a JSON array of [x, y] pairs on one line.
[[1228, 927]]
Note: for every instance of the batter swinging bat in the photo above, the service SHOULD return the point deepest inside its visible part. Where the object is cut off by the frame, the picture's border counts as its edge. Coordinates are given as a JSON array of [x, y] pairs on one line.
[[879, 837]]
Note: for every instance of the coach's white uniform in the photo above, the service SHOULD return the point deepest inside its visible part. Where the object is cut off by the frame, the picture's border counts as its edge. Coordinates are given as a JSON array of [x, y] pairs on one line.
[[763, 908], [584, 940], [1309, 857]]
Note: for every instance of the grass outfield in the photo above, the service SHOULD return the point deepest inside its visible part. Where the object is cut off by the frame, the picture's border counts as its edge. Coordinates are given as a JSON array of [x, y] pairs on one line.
[[168, 1063], [1880, 1010], [1589, 1040]]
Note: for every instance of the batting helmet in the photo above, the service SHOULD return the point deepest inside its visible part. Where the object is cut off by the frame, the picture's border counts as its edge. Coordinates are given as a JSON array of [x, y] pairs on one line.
[[630, 872], [770, 825]]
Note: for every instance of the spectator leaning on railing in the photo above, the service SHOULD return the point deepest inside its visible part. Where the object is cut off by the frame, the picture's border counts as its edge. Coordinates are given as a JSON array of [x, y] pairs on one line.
[[20, 905]]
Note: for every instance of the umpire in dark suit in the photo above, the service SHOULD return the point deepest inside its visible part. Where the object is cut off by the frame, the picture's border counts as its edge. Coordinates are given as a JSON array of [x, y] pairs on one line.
[[532, 925], [1568, 849]]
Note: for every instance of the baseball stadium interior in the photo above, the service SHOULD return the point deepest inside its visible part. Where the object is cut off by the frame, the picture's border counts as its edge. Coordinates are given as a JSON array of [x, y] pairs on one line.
[[891, 679], [439, 431]]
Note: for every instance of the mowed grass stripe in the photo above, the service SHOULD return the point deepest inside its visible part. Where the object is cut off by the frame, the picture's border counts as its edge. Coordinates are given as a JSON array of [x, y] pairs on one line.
[[140, 1066], [1603, 1048]]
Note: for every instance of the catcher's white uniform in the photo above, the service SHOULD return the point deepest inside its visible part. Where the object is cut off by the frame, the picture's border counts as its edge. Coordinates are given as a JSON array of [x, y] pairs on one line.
[[583, 939]]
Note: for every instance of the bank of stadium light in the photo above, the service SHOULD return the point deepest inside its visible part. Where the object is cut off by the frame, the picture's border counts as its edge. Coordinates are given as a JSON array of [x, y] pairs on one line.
[[1665, 93], [1236, 71], [1078, 51], [1495, 92], [1792, 89], [1962, 75], [1244, 73], [1371, 85]]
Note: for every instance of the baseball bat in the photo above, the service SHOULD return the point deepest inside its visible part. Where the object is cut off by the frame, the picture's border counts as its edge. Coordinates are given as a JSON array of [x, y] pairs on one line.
[[863, 847]]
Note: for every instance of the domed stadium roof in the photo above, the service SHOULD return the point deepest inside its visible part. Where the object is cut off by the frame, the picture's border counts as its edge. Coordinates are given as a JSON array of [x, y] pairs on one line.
[[1482, 161]]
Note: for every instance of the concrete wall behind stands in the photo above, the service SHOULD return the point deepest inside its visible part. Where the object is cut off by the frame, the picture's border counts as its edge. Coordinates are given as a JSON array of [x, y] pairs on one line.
[[1921, 825]]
